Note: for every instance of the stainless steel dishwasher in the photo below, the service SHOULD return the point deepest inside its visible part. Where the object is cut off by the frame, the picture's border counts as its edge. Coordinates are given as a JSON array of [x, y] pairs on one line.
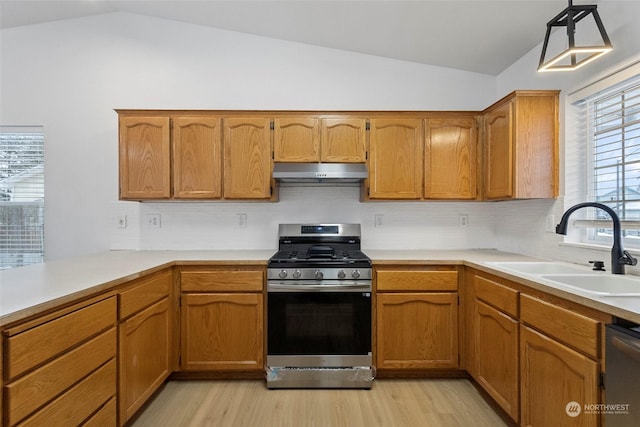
[[622, 375]]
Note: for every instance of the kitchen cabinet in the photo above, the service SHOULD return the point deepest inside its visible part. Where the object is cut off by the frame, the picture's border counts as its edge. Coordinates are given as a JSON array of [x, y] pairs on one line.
[[145, 336], [450, 165], [521, 146], [197, 157], [416, 318], [560, 353], [222, 318], [145, 168], [495, 342], [60, 368], [396, 158], [247, 158], [296, 139], [183, 155], [343, 140], [320, 139]]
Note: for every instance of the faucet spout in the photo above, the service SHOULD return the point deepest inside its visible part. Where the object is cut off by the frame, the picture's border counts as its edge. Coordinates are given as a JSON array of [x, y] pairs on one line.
[[619, 257]]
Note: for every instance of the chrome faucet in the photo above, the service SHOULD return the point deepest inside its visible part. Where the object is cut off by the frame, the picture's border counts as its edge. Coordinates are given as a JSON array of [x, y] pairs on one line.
[[619, 257]]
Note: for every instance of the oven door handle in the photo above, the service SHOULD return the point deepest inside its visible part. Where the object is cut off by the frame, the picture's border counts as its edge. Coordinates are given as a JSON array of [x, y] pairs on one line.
[[342, 287]]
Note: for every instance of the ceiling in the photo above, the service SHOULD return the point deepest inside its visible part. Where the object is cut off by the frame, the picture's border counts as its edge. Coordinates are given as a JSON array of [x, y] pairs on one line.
[[473, 35]]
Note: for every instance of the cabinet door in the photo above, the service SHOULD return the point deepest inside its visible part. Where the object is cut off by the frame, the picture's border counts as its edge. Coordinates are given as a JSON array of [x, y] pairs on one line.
[[395, 163], [344, 140], [197, 158], [145, 349], [145, 171], [296, 139], [552, 377], [417, 330], [496, 356], [222, 331], [247, 158], [450, 158], [499, 152]]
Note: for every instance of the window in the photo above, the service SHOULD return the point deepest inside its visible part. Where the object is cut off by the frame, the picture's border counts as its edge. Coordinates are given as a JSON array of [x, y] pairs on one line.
[[21, 196], [611, 121]]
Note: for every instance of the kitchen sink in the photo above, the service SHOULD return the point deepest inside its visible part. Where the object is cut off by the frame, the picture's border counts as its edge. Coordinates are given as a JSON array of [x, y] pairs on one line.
[[602, 285], [538, 268]]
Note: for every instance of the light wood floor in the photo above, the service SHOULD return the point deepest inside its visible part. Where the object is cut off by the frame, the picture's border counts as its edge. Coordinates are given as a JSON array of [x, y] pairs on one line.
[[390, 403]]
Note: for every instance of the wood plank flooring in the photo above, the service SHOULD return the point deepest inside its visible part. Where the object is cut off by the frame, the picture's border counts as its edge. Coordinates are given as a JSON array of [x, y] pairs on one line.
[[390, 403]]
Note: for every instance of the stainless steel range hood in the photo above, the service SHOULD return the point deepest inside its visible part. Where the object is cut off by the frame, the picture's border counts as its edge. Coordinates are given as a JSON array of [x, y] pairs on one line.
[[320, 173]]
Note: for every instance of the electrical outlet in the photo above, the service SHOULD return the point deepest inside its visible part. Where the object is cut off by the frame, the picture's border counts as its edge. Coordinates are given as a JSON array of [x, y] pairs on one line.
[[152, 220], [122, 221], [463, 220], [378, 220], [242, 220]]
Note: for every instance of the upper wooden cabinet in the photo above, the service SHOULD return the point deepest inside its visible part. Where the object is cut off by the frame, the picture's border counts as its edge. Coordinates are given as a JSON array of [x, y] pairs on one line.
[[197, 158], [395, 161], [145, 169], [450, 158], [315, 139], [247, 158], [344, 140], [521, 146], [189, 155], [296, 139]]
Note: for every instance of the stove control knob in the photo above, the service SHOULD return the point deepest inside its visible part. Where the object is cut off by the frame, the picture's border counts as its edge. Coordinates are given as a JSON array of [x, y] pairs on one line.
[[341, 274], [282, 274], [319, 274], [297, 274], [355, 274]]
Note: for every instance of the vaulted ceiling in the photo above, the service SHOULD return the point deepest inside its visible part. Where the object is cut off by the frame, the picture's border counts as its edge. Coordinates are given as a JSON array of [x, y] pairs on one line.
[[473, 35]]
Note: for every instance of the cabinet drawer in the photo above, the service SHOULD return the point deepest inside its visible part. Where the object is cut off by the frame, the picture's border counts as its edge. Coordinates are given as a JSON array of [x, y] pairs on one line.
[[410, 280], [77, 404], [144, 292], [105, 417], [575, 330], [221, 280], [34, 346], [501, 297], [35, 389]]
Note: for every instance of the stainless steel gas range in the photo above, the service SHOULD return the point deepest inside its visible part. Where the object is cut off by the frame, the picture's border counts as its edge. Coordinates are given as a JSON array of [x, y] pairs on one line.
[[319, 309]]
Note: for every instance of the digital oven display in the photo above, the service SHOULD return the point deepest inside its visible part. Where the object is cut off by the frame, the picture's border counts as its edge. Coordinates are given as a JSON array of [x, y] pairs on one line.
[[319, 229]]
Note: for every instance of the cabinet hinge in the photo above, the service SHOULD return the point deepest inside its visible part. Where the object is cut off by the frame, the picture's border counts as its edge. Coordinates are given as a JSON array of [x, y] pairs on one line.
[[602, 378], [272, 125], [458, 299]]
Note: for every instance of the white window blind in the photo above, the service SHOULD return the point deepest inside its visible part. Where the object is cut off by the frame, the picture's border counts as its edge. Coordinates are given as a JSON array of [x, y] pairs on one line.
[[21, 196], [610, 122]]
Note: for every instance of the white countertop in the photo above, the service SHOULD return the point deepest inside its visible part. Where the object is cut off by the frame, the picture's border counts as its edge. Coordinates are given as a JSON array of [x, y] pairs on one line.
[[32, 289]]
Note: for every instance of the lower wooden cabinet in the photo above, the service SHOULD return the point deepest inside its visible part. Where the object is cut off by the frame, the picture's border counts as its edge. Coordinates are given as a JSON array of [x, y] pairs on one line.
[[222, 331], [417, 330], [145, 341], [145, 337], [60, 368], [222, 318], [555, 380], [496, 356]]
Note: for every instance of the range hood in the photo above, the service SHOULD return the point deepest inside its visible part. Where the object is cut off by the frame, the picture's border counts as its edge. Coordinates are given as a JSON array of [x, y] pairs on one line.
[[320, 173]]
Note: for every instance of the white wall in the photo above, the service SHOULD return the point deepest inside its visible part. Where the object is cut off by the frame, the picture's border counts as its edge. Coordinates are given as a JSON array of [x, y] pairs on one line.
[[70, 75], [516, 232]]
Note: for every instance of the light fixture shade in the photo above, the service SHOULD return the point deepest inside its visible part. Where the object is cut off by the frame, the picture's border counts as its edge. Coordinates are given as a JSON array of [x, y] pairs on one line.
[[574, 57]]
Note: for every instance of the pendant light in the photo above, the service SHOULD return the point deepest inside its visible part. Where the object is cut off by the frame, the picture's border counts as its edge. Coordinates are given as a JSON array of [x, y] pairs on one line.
[[573, 56]]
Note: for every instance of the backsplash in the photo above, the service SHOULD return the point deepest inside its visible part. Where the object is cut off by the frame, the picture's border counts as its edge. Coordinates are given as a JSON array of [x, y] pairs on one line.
[[385, 225]]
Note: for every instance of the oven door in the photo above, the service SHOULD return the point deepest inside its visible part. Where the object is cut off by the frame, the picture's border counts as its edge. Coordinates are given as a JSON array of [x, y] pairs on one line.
[[330, 326]]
